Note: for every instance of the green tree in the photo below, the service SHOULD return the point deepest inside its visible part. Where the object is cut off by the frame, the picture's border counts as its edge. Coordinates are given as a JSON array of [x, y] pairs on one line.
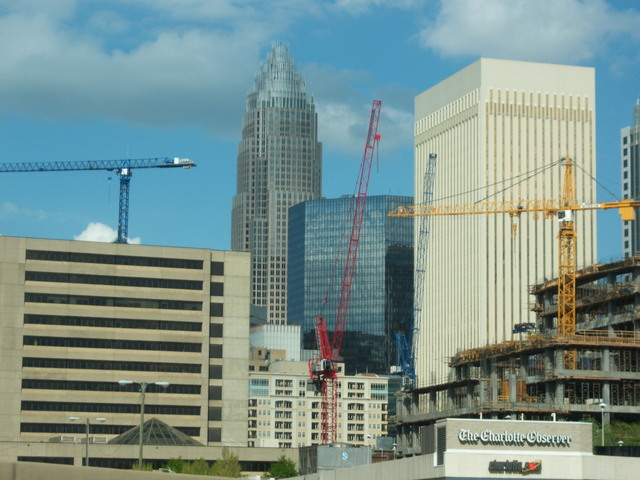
[[175, 464], [197, 467], [629, 433], [282, 468], [227, 466]]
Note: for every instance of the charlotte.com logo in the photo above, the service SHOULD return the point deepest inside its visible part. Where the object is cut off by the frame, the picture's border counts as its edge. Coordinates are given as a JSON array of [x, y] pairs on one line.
[[514, 466]]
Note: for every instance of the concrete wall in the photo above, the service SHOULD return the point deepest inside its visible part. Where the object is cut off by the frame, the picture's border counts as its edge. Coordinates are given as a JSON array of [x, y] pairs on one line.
[[475, 467], [42, 471]]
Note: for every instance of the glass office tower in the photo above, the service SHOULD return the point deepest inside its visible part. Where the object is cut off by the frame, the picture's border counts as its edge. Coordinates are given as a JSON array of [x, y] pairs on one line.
[[382, 290], [630, 154], [279, 165]]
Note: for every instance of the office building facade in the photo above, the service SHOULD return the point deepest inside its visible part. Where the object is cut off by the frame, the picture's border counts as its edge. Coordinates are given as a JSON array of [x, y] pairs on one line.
[[381, 302], [78, 317], [630, 155], [499, 129], [279, 165]]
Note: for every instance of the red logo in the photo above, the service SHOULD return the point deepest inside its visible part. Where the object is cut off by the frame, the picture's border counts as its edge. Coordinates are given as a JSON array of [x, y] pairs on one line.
[[530, 467]]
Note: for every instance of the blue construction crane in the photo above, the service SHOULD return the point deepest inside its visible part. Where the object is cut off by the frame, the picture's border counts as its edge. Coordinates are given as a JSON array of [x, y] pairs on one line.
[[122, 168], [406, 350]]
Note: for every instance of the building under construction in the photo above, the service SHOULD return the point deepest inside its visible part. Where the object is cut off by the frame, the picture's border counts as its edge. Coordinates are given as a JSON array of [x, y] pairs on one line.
[[542, 374]]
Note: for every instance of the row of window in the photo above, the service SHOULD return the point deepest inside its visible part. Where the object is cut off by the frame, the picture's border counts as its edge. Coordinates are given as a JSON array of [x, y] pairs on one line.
[[214, 435], [52, 256], [109, 408], [68, 363], [140, 282], [112, 301], [111, 344], [106, 386], [72, 321], [96, 429]]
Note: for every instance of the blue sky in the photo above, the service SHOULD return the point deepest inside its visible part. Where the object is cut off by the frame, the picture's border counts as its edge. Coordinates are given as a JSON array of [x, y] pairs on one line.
[[111, 79]]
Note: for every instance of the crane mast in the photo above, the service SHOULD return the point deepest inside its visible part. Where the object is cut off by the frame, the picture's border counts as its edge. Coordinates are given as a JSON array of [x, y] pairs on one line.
[[406, 350], [567, 265], [323, 367], [122, 168]]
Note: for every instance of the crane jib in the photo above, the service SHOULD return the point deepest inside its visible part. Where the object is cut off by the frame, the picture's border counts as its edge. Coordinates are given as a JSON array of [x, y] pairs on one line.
[[122, 168]]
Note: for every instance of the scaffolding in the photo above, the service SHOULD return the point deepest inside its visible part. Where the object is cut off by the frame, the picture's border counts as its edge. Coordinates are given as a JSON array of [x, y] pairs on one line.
[[528, 377]]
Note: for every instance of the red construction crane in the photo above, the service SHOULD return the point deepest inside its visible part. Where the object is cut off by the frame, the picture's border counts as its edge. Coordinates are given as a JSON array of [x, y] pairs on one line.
[[323, 367]]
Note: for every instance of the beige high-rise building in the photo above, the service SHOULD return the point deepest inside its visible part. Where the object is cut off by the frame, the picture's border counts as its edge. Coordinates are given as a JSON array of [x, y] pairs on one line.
[[499, 129], [78, 317]]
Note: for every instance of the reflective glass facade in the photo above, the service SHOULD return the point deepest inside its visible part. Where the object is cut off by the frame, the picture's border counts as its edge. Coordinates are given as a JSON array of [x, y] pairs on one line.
[[279, 165], [382, 290]]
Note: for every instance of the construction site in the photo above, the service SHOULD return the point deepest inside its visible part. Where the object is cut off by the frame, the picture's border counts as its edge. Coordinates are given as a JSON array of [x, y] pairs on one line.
[[548, 372]]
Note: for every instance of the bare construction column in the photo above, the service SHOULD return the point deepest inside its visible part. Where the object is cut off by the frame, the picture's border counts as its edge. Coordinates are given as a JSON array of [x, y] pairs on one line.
[[606, 357], [493, 379], [523, 373], [513, 388], [485, 372], [549, 371], [559, 363]]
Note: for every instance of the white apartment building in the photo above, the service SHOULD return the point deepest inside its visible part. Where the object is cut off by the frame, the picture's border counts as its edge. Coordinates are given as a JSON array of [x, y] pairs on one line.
[[284, 407], [499, 129]]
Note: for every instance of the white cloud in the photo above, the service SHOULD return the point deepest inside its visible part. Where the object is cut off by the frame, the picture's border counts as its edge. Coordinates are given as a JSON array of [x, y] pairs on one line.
[[564, 31], [356, 7], [347, 126], [164, 63], [99, 232], [8, 209], [167, 74]]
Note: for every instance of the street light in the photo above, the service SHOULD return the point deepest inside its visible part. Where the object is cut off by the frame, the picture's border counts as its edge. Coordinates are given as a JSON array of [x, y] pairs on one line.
[[143, 389], [602, 407], [87, 423]]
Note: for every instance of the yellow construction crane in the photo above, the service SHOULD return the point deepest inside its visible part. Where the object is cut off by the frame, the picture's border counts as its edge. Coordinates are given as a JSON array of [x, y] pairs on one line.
[[562, 209]]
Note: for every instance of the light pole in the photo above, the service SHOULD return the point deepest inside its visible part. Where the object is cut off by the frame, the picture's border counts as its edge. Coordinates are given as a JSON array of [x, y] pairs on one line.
[[87, 423], [143, 389], [602, 407]]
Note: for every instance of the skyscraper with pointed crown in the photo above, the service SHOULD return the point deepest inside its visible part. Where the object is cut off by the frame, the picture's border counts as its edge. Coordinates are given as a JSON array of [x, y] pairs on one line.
[[279, 165]]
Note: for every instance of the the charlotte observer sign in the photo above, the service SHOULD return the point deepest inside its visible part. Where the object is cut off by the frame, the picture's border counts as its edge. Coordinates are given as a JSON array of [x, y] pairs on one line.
[[531, 438]]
